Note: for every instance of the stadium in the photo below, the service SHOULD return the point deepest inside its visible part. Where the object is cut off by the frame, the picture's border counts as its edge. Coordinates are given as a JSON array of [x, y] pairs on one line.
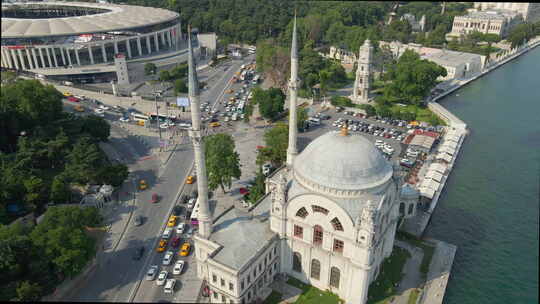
[[70, 38]]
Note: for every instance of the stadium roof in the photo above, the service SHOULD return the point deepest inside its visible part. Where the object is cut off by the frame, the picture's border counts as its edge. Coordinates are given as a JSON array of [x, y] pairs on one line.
[[118, 17]]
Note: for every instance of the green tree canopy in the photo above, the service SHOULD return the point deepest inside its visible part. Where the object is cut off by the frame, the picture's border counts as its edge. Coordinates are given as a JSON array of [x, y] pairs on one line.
[[277, 141], [150, 68], [270, 102], [222, 161], [180, 86]]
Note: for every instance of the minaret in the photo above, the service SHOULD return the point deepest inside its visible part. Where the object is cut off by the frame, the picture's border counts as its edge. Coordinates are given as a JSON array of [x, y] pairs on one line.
[[205, 219], [293, 87], [362, 82]]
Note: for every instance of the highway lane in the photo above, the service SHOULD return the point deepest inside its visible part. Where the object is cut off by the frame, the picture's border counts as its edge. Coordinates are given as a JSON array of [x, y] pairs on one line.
[[118, 277], [148, 291]]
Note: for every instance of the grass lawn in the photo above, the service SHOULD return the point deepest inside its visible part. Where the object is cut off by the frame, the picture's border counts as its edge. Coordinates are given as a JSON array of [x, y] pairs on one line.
[[273, 298], [422, 114], [312, 295], [428, 250], [381, 290]]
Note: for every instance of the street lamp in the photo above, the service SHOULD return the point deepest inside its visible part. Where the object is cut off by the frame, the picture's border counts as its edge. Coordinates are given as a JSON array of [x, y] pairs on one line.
[[157, 109]]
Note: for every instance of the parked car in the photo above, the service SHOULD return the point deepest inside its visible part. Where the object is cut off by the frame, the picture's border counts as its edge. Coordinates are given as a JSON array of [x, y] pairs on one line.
[[190, 179], [167, 233], [180, 228], [266, 168], [152, 272], [167, 259], [162, 245], [162, 277], [184, 250], [73, 99], [169, 286], [155, 198], [177, 210], [175, 242], [139, 220], [172, 221], [191, 203], [178, 267]]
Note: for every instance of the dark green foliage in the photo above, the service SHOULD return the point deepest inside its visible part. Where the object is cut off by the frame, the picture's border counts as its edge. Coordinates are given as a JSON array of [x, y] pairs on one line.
[[270, 102], [180, 86], [55, 150], [277, 141], [257, 189], [113, 175], [522, 33], [370, 110], [150, 69], [411, 79], [341, 101], [222, 161], [32, 259]]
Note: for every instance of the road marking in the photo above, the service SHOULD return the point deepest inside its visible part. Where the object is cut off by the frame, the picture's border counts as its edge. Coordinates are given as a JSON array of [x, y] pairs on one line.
[[135, 288]]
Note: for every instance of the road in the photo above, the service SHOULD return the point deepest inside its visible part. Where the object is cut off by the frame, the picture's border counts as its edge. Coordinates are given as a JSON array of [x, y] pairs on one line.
[[119, 278]]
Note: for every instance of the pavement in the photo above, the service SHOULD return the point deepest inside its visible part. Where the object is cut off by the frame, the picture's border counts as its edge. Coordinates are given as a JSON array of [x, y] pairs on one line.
[[439, 273], [119, 278], [412, 278]]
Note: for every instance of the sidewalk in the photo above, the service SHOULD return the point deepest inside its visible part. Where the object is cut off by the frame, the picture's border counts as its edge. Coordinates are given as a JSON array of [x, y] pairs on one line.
[[439, 273]]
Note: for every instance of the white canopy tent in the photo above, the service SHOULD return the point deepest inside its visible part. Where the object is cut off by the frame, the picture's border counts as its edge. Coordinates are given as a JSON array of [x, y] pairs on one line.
[[444, 156], [441, 168], [434, 175]]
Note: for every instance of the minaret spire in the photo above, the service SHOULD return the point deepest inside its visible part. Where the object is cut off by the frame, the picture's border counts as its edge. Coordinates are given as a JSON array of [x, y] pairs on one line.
[[204, 217], [293, 86]]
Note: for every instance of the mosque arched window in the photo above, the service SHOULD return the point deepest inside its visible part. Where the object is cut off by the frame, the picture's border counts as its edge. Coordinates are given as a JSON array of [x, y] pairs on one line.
[[411, 208], [320, 209], [334, 277], [317, 235], [315, 269], [402, 208], [302, 212], [337, 224], [297, 262]]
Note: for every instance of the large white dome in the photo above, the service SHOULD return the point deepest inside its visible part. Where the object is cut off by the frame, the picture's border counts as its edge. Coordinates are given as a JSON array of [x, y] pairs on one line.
[[342, 162]]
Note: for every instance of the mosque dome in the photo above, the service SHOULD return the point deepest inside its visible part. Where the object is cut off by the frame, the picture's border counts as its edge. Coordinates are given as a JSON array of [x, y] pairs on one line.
[[341, 162]]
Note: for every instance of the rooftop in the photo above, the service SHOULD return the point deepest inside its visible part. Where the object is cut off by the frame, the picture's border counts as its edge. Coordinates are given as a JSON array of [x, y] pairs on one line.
[[451, 58], [242, 234], [115, 18]]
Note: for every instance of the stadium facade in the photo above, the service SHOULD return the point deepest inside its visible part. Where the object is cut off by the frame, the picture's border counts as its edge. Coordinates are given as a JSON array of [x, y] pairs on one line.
[[76, 37]]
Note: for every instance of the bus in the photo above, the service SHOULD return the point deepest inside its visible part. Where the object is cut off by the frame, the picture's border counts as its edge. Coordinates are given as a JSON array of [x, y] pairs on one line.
[[139, 118], [162, 117], [195, 214]]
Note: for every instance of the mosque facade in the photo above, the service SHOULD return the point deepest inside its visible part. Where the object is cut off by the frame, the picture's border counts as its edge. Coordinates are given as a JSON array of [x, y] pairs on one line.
[[328, 218]]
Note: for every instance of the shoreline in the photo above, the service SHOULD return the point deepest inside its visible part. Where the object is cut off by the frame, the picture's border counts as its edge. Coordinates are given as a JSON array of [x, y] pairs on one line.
[[440, 267]]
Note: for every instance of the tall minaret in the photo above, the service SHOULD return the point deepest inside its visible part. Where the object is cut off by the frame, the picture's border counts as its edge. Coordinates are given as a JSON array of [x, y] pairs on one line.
[[362, 83], [205, 219], [293, 87]]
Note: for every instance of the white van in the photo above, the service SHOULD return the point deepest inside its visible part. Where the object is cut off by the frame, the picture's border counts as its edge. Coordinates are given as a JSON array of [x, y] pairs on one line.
[[169, 286], [167, 233]]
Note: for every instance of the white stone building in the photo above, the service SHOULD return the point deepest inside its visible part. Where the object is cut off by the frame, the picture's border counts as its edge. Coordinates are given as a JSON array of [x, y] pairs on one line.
[[529, 11], [458, 65], [498, 22], [328, 219]]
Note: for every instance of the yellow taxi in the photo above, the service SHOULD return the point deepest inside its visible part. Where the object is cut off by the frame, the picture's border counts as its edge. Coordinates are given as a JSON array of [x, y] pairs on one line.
[[79, 108], [142, 184], [230, 91], [162, 245], [67, 94], [190, 179], [184, 250], [172, 221], [215, 124]]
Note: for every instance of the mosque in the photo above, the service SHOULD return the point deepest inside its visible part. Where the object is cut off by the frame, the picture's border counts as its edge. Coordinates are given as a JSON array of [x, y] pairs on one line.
[[328, 218]]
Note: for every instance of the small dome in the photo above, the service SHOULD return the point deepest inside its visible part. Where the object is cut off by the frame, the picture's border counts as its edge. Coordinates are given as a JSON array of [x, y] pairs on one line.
[[344, 162]]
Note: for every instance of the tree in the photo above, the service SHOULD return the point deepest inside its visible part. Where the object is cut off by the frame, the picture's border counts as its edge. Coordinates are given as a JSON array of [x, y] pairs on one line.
[[301, 118], [164, 75], [277, 141], [150, 69], [370, 110], [59, 190], [29, 292], [222, 161], [270, 102], [257, 189], [97, 127], [411, 79], [114, 175], [83, 160], [180, 86]]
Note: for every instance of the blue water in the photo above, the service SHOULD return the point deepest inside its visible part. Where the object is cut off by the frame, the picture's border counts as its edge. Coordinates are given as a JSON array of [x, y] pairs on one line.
[[489, 208]]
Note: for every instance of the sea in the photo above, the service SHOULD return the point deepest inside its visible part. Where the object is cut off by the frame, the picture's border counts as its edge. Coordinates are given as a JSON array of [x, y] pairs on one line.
[[490, 204]]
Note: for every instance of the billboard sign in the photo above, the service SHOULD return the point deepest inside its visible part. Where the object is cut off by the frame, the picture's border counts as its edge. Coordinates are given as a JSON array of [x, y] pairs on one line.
[[182, 101]]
